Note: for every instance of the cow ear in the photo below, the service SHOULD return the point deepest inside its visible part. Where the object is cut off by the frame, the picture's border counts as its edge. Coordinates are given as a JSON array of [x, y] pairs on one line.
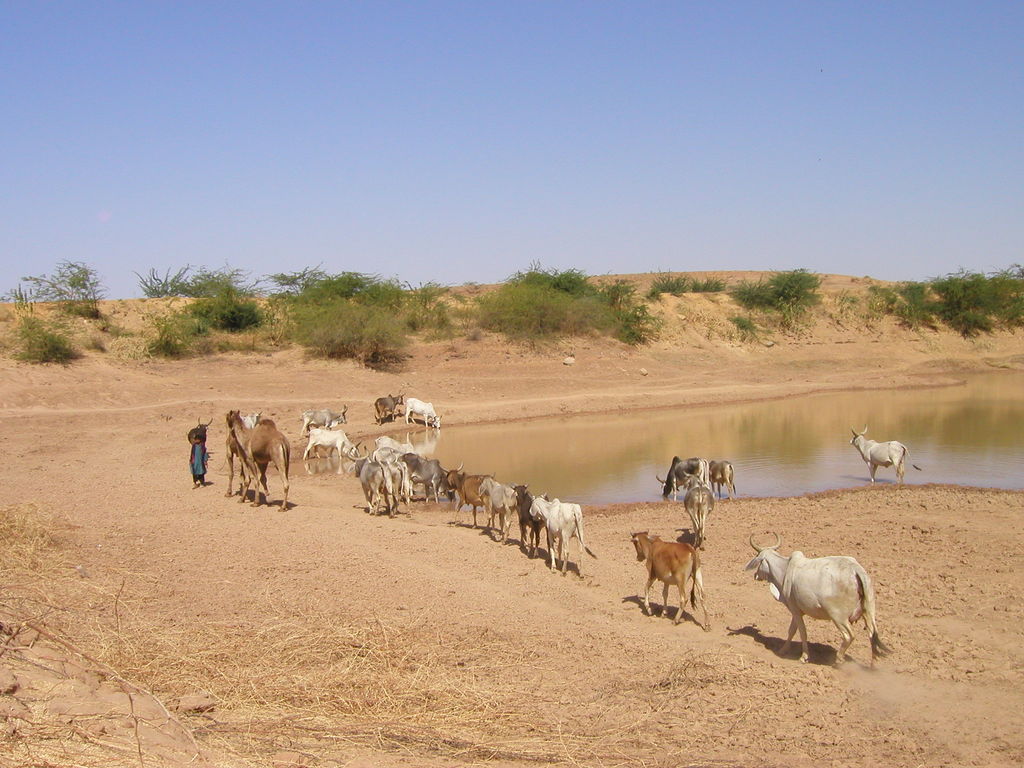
[[752, 564]]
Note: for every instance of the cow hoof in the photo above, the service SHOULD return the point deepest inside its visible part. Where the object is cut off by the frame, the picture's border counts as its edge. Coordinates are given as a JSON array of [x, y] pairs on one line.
[[803, 658], [706, 627]]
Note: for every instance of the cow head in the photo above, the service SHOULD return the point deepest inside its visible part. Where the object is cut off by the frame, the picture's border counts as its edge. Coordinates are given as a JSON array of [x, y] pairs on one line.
[[759, 562], [858, 435], [198, 432], [641, 542]]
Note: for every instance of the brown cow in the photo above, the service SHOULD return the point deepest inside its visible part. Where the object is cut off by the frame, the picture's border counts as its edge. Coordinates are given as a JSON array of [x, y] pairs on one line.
[[259, 446], [387, 407], [468, 489], [673, 563], [529, 528]]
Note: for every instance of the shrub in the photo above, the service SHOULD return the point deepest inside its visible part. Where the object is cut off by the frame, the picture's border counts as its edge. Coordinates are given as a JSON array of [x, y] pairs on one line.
[[426, 309], [676, 286], [965, 302], [211, 283], [228, 311], [75, 286], [155, 286], [707, 285], [571, 281], [174, 335], [294, 283], [789, 293], [529, 310], [42, 342], [345, 329], [746, 326]]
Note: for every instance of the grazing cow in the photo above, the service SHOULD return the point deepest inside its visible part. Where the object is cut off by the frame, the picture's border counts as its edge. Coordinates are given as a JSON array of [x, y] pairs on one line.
[[198, 432], [332, 440], [425, 411], [260, 446], [429, 473], [699, 502], [323, 418], [877, 455], [252, 419], [386, 408], [467, 488], [673, 563], [722, 476], [835, 588], [564, 521], [529, 528], [678, 472], [501, 500]]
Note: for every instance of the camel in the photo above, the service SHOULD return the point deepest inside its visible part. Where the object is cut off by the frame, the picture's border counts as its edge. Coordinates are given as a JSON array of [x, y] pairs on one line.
[[233, 449], [259, 446]]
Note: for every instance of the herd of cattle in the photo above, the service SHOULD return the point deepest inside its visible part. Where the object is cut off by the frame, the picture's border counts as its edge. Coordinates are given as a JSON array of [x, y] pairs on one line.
[[832, 588]]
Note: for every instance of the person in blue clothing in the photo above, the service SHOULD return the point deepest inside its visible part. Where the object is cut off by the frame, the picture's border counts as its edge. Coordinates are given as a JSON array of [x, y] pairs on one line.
[[197, 459]]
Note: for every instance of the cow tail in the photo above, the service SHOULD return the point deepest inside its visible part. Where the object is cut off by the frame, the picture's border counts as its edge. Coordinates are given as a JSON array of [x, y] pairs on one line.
[[867, 601], [696, 580], [579, 533]]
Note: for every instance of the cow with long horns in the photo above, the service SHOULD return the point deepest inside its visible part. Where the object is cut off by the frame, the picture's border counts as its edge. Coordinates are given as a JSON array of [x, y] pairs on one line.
[[833, 588]]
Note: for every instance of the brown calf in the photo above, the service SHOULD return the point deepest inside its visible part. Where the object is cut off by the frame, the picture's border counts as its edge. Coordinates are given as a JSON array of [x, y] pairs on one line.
[[468, 489], [672, 563]]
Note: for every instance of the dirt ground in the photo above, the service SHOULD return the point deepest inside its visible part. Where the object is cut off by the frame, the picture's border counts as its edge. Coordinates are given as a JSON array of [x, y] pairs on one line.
[[322, 635]]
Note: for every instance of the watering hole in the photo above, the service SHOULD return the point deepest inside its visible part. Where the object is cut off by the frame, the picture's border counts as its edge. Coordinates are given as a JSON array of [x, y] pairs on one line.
[[969, 434]]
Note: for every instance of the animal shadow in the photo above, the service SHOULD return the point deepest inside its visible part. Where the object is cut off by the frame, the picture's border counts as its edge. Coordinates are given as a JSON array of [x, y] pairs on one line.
[[686, 536], [660, 611], [817, 653]]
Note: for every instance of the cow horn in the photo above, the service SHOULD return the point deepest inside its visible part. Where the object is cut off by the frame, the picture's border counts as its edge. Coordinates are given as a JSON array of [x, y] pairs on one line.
[[460, 467], [659, 479], [776, 545]]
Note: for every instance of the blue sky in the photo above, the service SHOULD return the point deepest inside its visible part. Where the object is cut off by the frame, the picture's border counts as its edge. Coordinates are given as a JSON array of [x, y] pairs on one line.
[[461, 141]]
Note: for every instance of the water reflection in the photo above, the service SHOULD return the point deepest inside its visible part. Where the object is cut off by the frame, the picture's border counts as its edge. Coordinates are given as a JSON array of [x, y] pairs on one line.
[[969, 434]]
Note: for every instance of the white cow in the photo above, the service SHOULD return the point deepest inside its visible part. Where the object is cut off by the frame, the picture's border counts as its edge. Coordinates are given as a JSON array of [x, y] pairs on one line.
[[563, 521], [501, 500], [835, 588], [699, 502], [323, 417], [414, 407], [332, 440], [877, 455]]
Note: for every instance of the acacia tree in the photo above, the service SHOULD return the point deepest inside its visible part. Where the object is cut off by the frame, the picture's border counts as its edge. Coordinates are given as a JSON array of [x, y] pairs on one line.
[[74, 285]]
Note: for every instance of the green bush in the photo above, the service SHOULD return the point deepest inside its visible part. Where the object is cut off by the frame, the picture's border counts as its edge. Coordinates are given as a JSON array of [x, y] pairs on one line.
[[175, 335], [747, 328], [228, 311], [571, 281], [532, 311], [674, 285], [966, 302], [707, 285], [42, 342], [914, 307], [350, 330], [425, 309], [789, 293]]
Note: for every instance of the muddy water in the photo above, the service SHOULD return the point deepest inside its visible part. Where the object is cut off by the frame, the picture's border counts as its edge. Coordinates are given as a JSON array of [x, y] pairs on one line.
[[971, 434]]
